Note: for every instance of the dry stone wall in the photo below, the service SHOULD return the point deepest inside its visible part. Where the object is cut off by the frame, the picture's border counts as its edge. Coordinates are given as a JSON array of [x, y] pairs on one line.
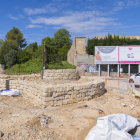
[[61, 94], [62, 74]]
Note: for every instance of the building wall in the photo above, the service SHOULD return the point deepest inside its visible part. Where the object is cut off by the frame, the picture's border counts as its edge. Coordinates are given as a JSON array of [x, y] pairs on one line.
[[79, 43], [83, 61], [71, 53]]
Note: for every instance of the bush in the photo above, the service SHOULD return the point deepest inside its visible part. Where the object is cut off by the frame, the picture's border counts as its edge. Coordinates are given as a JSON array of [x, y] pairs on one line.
[[10, 58], [32, 66], [23, 56], [61, 65]]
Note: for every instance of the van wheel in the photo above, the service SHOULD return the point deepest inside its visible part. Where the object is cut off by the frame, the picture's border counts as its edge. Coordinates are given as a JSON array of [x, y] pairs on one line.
[[131, 81]]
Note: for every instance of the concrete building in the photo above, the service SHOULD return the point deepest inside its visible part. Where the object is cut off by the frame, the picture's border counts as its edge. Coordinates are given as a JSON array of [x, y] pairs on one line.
[[77, 54]]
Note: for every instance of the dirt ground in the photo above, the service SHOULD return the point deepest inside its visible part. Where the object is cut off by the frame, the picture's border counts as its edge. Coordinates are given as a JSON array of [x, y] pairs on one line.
[[22, 119]]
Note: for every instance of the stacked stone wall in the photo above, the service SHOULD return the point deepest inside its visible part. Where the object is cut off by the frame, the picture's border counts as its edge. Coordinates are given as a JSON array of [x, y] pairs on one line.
[[61, 94], [62, 74]]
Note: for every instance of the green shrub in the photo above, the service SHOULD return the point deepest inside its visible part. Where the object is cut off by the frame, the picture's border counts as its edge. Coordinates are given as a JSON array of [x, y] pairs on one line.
[[32, 66]]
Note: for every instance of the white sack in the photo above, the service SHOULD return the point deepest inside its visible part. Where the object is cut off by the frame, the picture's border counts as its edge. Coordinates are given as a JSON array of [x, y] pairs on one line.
[[113, 127], [12, 92]]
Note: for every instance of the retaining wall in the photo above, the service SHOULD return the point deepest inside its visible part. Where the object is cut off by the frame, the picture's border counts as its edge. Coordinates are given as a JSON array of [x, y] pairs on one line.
[[62, 74], [61, 94]]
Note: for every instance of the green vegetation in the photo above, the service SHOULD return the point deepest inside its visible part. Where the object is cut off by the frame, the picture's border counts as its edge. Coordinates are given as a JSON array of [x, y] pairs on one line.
[[5, 48], [109, 41], [34, 66], [18, 58], [1, 42], [15, 35]]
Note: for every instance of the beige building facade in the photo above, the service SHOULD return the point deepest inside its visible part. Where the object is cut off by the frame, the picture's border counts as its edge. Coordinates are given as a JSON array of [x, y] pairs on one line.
[[77, 54]]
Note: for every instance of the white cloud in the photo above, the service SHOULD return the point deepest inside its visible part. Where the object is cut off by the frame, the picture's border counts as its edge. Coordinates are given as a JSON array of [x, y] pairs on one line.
[[120, 5], [14, 18], [33, 26], [21, 16], [34, 11], [77, 22], [47, 8]]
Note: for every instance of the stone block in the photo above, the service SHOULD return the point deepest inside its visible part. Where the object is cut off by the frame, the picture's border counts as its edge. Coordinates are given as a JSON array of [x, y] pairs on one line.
[[76, 92], [78, 95], [64, 93], [56, 94], [84, 86], [67, 96], [78, 87], [70, 101], [73, 96], [83, 94], [75, 100], [80, 99], [86, 98], [70, 92], [88, 93], [84, 90], [65, 102], [60, 102], [59, 98], [70, 88]]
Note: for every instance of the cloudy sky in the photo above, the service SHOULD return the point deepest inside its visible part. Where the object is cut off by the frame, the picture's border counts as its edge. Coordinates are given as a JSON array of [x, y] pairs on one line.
[[86, 18]]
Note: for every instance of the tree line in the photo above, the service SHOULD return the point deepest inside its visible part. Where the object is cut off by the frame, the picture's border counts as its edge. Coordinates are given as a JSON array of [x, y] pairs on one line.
[[14, 49], [109, 41]]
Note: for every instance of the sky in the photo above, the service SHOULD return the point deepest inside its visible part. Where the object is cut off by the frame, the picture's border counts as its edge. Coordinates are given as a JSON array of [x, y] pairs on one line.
[[38, 19]]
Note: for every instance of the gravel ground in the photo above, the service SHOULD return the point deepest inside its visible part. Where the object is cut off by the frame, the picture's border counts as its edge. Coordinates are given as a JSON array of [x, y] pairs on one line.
[[22, 119]]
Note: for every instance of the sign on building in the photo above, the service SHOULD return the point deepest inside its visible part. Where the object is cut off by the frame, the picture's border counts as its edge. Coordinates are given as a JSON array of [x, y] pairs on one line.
[[106, 55], [117, 55], [129, 54]]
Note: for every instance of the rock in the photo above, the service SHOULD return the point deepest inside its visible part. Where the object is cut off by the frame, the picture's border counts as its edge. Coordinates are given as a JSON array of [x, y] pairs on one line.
[[28, 135], [71, 117], [108, 100], [15, 115], [60, 124], [123, 104], [97, 108], [73, 125], [117, 98], [44, 121], [131, 107], [1, 134], [81, 106]]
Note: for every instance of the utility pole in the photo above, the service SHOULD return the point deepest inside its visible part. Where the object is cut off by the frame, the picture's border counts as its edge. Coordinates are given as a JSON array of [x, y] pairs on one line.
[[44, 56], [43, 62]]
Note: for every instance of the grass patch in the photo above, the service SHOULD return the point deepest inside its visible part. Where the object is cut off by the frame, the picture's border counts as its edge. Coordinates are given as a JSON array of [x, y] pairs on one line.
[[35, 66]]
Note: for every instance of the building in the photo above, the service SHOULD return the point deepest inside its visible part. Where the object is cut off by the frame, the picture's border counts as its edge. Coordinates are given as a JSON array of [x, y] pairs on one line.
[[77, 54]]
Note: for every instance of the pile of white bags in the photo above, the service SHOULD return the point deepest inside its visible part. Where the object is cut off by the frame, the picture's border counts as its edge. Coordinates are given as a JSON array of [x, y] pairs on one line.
[[113, 127], [12, 92]]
